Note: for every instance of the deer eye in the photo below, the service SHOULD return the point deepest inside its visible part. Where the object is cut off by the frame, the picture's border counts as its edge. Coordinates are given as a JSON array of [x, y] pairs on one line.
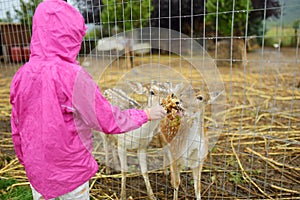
[[200, 98], [152, 93]]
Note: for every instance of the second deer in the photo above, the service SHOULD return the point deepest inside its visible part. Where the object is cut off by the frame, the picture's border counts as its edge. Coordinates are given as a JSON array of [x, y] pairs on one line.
[[188, 146]]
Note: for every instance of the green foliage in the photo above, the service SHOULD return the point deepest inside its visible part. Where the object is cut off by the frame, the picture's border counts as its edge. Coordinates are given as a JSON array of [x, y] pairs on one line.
[[296, 24], [15, 193], [257, 172], [8, 16], [4, 183], [93, 34], [236, 178], [126, 14], [280, 35], [26, 11], [224, 14], [256, 27]]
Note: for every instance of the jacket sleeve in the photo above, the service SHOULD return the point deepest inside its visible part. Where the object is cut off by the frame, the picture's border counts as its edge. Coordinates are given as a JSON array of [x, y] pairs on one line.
[[15, 132], [98, 112]]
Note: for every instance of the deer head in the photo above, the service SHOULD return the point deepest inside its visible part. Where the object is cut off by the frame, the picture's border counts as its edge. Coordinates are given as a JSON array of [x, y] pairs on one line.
[[155, 91]]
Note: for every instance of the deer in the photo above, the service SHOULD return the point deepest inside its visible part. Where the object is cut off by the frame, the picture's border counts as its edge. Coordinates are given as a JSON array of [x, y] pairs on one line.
[[189, 147], [140, 138]]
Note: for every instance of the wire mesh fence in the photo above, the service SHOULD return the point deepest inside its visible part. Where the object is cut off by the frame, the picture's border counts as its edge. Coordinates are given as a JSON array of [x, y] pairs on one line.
[[241, 56]]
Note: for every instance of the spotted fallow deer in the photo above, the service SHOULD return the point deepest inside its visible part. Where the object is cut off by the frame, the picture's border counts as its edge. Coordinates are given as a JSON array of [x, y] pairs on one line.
[[189, 147]]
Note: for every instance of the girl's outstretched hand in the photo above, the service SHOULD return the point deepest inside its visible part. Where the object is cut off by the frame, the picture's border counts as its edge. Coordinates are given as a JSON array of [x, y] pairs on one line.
[[155, 112]]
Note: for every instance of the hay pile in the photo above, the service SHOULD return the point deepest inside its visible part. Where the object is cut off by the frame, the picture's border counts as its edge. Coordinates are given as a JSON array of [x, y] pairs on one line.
[[260, 147]]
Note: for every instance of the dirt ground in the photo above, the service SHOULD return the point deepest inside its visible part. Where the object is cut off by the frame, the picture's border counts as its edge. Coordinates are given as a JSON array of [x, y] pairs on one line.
[[257, 155]]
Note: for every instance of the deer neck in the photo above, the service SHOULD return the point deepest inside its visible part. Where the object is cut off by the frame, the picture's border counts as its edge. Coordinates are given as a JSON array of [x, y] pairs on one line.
[[150, 126]]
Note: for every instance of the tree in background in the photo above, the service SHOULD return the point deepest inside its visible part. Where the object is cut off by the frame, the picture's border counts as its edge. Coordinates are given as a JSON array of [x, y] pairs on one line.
[[228, 17], [124, 15], [251, 12], [8, 18], [179, 15], [185, 16], [296, 26], [262, 10], [90, 10], [234, 20], [26, 11]]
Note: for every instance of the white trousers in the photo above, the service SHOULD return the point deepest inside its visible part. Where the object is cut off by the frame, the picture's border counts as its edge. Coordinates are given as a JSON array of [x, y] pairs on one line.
[[80, 193]]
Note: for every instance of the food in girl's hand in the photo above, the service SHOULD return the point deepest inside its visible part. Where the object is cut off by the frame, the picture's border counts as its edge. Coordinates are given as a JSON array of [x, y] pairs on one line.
[[170, 124]]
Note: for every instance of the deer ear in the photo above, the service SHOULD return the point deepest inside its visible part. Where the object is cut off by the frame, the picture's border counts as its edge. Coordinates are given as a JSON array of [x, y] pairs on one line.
[[136, 87], [161, 87], [183, 89], [167, 86], [178, 88]]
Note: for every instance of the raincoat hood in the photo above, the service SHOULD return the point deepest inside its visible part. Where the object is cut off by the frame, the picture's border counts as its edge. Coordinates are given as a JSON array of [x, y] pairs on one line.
[[57, 31]]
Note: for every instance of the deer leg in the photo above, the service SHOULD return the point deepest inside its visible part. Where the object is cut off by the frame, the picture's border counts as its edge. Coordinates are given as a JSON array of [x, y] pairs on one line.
[[123, 161], [175, 178], [106, 149], [115, 159], [143, 165], [197, 180], [163, 143], [165, 166], [111, 143], [175, 173]]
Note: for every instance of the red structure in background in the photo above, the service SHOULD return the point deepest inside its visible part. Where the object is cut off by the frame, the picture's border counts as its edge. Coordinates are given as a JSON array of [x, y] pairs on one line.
[[16, 54], [14, 37], [26, 53], [19, 54]]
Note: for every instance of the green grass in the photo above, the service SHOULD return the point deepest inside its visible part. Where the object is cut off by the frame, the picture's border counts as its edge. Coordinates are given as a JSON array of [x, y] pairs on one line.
[[286, 36], [16, 193]]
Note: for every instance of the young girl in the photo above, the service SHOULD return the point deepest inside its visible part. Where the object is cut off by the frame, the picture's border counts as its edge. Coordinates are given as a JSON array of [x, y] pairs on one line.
[[55, 104]]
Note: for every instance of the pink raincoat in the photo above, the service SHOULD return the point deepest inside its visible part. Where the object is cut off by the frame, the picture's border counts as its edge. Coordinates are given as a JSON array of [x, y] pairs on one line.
[[55, 104]]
